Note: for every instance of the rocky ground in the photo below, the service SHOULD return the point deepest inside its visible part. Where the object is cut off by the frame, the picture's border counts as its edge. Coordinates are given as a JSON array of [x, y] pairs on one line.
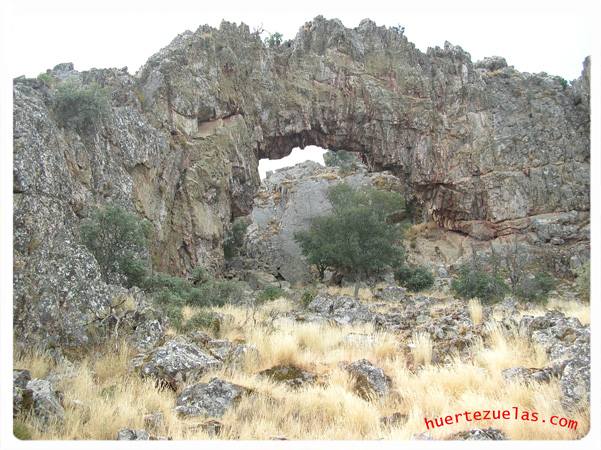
[[337, 368]]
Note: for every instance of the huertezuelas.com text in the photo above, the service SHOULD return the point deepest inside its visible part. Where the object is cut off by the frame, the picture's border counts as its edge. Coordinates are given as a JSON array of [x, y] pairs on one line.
[[512, 413]]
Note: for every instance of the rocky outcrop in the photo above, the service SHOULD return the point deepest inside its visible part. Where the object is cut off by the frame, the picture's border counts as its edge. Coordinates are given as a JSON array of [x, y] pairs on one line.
[[567, 344], [484, 149]]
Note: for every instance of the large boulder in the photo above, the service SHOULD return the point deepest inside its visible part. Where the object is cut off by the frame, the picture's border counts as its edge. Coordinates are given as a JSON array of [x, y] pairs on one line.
[[47, 402], [210, 399], [369, 379], [175, 362]]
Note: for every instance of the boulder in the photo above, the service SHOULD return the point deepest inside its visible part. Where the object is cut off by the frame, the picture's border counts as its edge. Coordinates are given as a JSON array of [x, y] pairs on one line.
[[342, 310], [47, 402], [391, 293], [293, 376], [478, 434], [210, 399], [175, 362], [369, 379], [527, 375], [127, 434]]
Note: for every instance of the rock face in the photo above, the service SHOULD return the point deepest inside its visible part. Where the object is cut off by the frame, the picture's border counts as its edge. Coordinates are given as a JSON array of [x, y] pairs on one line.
[[22, 395], [210, 399], [483, 148]]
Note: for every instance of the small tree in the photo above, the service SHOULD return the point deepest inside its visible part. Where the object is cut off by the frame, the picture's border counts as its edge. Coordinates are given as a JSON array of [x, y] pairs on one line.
[[80, 106], [473, 281], [118, 240], [357, 237], [274, 40]]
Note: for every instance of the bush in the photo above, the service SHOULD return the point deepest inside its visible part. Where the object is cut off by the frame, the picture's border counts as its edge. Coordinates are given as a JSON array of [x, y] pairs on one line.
[[536, 288], [118, 239], [200, 275], [307, 296], [216, 293], [204, 320], [79, 106], [270, 293], [234, 238], [345, 161], [472, 282], [414, 278], [274, 40], [583, 282]]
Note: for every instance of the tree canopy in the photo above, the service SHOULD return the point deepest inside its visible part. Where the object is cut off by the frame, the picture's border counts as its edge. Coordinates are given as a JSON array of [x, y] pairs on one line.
[[357, 238]]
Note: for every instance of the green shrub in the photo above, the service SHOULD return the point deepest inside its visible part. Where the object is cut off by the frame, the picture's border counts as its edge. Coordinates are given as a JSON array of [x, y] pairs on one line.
[[270, 293], [234, 238], [118, 240], [583, 282], [204, 320], [307, 296], [200, 275], [21, 431], [414, 278], [472, 282], [536, 288], [80, 106], [46, 78], [216, 293], [274, 40], [346, 162]]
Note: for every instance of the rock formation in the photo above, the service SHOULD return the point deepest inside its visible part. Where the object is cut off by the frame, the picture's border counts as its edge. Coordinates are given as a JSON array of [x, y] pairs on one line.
[[483, 148]]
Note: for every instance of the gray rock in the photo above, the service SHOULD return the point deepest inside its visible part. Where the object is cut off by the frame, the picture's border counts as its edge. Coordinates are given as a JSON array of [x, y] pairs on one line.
[[292, 376], [154, 421], [391, 293], [210, 399], [575, 384], [527, 375], [127, 434], [175, 362], [479, 434], [22, 396], [342, 310], [47, 402], [369, 379]]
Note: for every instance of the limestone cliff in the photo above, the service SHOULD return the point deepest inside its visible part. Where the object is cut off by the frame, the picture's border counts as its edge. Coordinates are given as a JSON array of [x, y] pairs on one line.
[[485, 149]]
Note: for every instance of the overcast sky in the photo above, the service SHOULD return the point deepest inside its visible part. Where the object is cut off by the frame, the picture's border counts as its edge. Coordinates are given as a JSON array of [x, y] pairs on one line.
[[551, 36]]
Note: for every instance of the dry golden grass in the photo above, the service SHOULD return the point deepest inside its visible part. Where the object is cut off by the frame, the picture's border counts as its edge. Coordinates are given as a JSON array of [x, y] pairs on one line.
[[105, 396], [421, 348], [475, 310], [365, 294]]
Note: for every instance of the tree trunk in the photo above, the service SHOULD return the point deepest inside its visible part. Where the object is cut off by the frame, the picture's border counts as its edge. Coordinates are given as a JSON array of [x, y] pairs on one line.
[[357, 289]]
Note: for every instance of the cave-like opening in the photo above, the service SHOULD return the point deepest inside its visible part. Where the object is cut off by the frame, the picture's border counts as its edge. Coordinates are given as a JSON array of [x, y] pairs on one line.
[[296, 156]]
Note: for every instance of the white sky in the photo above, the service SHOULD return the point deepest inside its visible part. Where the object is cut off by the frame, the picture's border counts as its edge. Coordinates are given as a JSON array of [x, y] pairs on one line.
[[552, 36]]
